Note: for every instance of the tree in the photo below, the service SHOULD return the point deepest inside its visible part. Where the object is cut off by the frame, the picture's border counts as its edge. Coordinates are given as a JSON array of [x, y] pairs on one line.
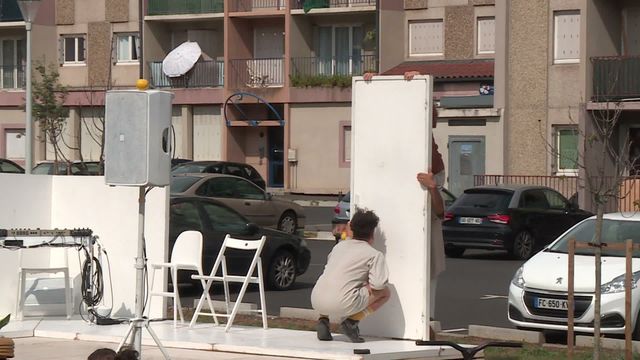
[[603, 164], [49, 110]]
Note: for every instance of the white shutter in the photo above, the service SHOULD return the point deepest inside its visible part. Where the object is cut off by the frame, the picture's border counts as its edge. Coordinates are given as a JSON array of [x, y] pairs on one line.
[[486, 35], [61, 50], [426, 37], [566, 36]]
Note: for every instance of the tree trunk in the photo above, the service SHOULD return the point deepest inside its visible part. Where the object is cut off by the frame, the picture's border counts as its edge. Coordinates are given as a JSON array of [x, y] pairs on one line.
[[598, 267]]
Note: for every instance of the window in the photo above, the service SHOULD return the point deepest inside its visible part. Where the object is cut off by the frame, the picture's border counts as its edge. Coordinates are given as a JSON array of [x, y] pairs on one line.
[[13, 58], [534, 199], [220, 187], [555, 200], [246, 190], [486, 35], [127, 46], [426, 38], [185, 216], [223, 219], [73, 49], [345, 144], [566, 37], [339, 50], [566, 153]]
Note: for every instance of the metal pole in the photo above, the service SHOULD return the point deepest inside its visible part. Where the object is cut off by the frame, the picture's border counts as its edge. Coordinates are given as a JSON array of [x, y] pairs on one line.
[[28, 165], [141, 39], [137, 330]]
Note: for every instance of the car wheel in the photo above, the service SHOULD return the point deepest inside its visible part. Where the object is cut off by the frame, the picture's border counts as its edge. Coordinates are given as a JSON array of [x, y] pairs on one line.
[[523, 245], [288, 222], [453, 251], [282, 271]]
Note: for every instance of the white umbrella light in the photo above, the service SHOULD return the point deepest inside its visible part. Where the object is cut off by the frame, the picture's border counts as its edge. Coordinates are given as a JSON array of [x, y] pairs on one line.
[[181, 59]]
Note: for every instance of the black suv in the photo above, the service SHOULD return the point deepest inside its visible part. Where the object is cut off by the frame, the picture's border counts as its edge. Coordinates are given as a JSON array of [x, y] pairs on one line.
[[221, 167]]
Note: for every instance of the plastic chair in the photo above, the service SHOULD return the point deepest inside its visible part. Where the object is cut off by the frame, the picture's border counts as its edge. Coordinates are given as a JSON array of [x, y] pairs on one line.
[[31, 262], [242, 245], [186, 255]]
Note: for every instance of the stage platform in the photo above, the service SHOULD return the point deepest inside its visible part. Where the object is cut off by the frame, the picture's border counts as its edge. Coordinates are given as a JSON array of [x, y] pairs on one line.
[[239, 339]]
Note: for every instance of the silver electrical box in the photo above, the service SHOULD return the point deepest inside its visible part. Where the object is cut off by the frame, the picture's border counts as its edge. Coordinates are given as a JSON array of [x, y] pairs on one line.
[[138, 141]]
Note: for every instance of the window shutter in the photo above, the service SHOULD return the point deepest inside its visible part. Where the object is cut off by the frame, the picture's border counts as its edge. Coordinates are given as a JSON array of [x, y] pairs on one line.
[[60, 51], [426, 37], [567, 36], [486, 35]]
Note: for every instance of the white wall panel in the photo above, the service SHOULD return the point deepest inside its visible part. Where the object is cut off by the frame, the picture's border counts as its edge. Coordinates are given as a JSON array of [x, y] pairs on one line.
[[207, 133], [390, 121]]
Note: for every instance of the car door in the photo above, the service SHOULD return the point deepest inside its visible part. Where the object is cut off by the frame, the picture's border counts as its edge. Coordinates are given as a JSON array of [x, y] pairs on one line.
[[560, 214], [533, 208], [221, 221], [256, 204]]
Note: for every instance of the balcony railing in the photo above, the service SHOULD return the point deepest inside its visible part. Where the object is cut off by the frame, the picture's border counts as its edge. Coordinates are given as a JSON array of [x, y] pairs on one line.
[[12, 77], [177, 7], [319, 4], [307, 68], [256, 5], [616, 78], [255, 73], [208, 73]]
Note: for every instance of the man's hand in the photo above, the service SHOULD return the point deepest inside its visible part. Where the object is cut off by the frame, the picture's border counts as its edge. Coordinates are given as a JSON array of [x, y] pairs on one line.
[[427, 180], [368, 76], [410, 74]]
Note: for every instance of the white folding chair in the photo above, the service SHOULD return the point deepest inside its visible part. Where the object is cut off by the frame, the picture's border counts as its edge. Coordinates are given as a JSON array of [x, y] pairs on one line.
[[256, 264], [186, 255], [31, 262]]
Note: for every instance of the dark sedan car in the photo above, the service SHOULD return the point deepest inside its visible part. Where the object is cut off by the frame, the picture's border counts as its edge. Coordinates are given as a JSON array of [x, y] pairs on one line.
[[221, 167], [8, 166], [284, 256], [520, 219]]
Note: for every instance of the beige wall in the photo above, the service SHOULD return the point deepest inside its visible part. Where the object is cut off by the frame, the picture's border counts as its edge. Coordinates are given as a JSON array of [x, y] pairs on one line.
[[301, 36], [392, 28], [528, 29], [315, 133]]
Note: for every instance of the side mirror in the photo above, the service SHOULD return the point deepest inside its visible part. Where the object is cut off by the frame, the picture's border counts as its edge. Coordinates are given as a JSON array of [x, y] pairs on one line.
[[252, 229], [573, 206], [268, 196]]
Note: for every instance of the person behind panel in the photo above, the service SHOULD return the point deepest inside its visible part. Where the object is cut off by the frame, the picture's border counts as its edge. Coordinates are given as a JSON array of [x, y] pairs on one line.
[[353, 284]]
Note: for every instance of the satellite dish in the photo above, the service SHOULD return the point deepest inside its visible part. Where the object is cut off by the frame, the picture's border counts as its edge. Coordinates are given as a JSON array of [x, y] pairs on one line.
[[181, 59]]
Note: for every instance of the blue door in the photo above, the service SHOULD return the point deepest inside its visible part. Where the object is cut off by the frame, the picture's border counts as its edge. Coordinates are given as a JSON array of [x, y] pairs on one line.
[[276, 156]]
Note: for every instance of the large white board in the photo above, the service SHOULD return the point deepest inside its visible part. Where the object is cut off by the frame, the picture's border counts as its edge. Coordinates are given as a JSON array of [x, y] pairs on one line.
[[391, 133]]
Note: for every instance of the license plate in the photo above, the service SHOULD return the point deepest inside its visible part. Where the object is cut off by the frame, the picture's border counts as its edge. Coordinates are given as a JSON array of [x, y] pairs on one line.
[[470, 220], [554, 304]]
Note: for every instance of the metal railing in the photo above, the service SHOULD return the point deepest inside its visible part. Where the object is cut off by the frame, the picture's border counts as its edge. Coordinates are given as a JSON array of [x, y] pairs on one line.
[[12, 77], [176, 7], [568, 186], [318, 66], [616, 77], [256, 5], [209, 73], [256, 73], [313, 4]]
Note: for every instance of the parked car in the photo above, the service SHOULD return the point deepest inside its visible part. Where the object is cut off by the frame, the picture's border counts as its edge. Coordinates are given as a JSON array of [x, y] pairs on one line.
[[77, 168], [8, 166], [244, 197], [221, 167], [177, 161], [538, 291], [284, 256], [341, 211], [518, 218]]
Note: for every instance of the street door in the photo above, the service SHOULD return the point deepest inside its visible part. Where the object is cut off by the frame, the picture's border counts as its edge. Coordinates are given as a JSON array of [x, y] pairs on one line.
[[276, 156], [466, 158]]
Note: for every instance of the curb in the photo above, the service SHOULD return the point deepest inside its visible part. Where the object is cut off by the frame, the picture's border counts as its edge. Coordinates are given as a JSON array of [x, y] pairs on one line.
[[318, 203], [319, 235], [489, 332]]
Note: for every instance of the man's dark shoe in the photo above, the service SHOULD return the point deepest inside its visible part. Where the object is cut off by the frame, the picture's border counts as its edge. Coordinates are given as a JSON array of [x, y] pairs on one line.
[[350, 328], [323, 330]]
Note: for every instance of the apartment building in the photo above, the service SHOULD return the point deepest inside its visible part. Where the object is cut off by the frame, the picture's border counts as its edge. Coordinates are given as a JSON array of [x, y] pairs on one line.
[[272, 88], [454, 41]]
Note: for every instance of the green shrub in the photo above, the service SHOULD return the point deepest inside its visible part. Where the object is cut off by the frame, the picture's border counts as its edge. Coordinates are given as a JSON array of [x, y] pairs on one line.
[[341, 81]]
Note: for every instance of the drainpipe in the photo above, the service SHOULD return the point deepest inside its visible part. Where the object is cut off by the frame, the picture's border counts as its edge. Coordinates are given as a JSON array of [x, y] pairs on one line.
[[140, 37], [378, 35]]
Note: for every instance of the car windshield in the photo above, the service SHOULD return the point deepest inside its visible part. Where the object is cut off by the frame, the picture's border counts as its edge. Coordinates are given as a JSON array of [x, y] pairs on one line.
[[613, 232], [180, 184], [188, 169], [490, 200]]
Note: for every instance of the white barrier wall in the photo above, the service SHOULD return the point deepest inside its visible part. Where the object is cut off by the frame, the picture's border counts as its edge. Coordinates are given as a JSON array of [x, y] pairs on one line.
[[39, 201], [390, 144]]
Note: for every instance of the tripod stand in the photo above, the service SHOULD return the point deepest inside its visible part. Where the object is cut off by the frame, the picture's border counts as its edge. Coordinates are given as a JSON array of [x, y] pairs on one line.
[[136, 323]]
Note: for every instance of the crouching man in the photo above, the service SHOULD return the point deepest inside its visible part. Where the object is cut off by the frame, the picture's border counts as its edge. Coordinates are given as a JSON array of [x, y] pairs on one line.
[[354, 282]]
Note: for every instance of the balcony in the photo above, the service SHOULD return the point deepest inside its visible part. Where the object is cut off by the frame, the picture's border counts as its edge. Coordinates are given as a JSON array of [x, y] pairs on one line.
[[12, 77], [616, 78], [316, 71], [181, 7], [208, 73], [256, 5], [307, 5], [258, 73]]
